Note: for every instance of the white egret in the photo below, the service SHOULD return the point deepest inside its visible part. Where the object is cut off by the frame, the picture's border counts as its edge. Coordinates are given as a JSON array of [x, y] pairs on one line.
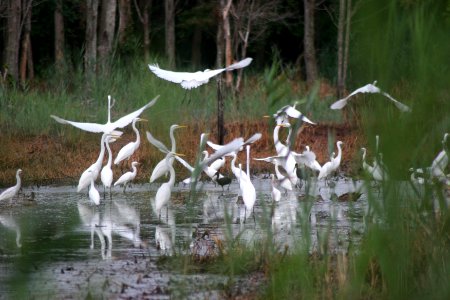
[[369, 88], [109, 127], [331, 166], [11, 192], [106, 175], [128, 176], [217, 164], [247, 190], [93, 193], [165, 190], [276, 194], [366, 167], [192, 80], [128, 150], [312, 163], [161, 168], [281, 116], [440, 162], [285, 183], [94, 169]]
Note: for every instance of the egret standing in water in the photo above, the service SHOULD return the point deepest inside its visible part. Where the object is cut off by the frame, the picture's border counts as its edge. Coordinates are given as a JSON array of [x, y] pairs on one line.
[[106, 175], [95, 168], [161, 168], [369, 88], [331, 166], [109, 127], [93, 193], [14, 190], [193, 80], [165, 190], [128, 176], [128, 150]]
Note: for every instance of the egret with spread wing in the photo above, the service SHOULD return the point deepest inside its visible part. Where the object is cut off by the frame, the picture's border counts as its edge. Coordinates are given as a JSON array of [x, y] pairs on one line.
[[109, 127], [193, 80], [369, 88]]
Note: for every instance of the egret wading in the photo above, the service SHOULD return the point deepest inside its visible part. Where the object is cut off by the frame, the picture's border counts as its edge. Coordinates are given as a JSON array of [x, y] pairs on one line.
[[128, 176], [128, 150], [109, 127], [11, 192], [94, 169], [161, 168], [93, 193], [331, 166], [165, 190], [106, 175]]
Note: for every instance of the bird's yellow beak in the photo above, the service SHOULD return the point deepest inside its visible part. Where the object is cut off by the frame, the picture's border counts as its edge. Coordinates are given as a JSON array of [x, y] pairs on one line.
[[266, 116], [142, 120], [181, 126], [178, 154]]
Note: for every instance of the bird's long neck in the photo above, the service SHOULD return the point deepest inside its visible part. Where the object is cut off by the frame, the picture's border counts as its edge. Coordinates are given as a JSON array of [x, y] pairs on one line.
[[134, 170], [102, 151], [169, 162], [109, 109], [279, 147], [109, 153], [138, 136], [338, 157], [172, 140], [233, 166], [248, 159], [19, 181]]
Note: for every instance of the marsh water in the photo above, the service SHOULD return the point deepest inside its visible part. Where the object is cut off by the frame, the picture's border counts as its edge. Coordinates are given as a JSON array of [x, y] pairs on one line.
[[55, 243]]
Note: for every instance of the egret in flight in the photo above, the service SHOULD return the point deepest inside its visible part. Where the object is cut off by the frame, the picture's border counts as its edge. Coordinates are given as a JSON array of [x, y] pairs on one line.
[[12, 191], [193, 80], [109, 127], [369, 88], [128, 150]]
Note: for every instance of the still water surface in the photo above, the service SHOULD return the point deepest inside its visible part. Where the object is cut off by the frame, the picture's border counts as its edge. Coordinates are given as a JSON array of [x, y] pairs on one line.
[[61, 241]]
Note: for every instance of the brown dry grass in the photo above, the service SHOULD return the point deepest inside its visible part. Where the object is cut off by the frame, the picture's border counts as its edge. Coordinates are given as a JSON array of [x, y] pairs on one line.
[[46, 159]]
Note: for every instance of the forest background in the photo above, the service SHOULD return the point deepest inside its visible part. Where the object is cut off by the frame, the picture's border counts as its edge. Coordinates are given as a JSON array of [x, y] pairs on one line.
[[65, 57]]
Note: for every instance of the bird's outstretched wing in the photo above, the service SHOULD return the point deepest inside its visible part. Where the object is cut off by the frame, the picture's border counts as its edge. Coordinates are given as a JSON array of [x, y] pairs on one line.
[[292, 112], [397, 103], [240, 64], [184, 163], [176, 77], [125, 120], [369, 88], [161, 147], [91, 127]]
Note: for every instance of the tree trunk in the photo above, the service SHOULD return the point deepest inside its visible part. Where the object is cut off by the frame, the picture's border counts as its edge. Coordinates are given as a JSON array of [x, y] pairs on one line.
[[26, 41], [59, 36], [196, 54], [142, 10], [227, 37], [106, 32], [340, 48], [90, 55], [308, 40], [220, 112], [347, 43], [169, 9], [124, 20], [12, 44], [220, 41]]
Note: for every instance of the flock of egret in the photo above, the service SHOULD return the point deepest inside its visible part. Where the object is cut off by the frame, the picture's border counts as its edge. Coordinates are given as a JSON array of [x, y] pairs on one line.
[[288, 166]]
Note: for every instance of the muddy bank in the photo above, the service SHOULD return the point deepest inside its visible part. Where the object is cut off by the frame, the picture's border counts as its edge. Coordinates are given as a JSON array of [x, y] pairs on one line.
[[58, 159]]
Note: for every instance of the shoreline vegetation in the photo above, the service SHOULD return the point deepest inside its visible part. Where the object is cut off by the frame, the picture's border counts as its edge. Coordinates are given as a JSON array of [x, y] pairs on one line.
[[47, 159]]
